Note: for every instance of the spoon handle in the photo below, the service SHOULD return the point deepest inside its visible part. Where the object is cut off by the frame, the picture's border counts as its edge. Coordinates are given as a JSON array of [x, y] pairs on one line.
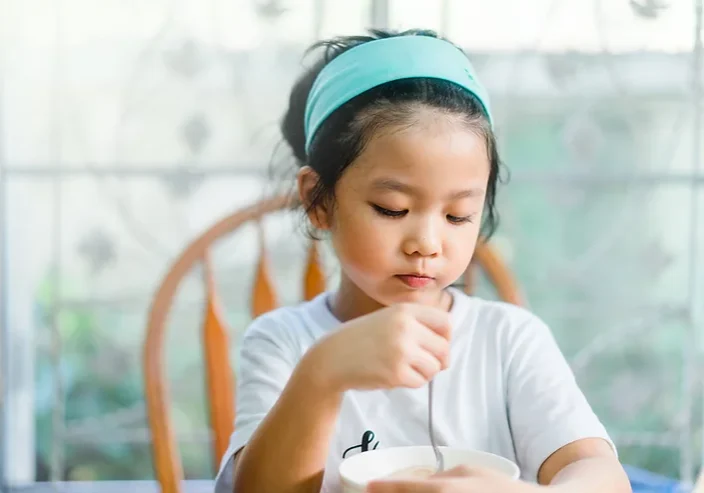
[[439, 459]]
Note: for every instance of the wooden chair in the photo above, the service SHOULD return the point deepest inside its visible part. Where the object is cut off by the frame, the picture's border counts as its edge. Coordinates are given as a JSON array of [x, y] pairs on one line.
[[220, 383]]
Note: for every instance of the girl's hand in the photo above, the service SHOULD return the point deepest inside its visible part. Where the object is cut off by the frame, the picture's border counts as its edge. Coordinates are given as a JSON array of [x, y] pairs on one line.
[[403, 345], [457, 480]]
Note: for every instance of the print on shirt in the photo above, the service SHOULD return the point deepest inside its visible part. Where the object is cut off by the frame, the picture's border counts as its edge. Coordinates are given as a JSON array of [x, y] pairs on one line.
[[367, 439]]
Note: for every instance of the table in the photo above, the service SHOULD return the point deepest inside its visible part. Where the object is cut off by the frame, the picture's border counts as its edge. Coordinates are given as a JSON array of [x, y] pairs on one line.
[[194, 486], [642, 482]]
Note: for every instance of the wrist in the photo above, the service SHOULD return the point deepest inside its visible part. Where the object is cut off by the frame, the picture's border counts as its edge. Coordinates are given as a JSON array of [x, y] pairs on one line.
[[315, 368]]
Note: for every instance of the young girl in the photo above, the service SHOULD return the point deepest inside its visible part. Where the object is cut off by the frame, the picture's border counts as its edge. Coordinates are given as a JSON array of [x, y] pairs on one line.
[[399, 167]]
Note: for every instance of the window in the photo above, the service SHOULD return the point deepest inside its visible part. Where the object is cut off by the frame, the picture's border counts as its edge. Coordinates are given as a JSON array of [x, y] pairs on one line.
[[126, 128]]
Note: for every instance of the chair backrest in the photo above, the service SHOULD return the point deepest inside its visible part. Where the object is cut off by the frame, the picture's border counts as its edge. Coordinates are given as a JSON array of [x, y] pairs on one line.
[[220, 383]]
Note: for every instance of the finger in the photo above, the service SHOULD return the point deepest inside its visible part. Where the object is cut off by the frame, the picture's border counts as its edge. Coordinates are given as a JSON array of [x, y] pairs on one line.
[[436, 345], [435, 319], [426, 364], [389, 486], [411, 378]]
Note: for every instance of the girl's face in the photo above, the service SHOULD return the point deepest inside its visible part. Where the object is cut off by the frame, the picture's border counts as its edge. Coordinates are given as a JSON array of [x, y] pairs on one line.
[[407, 213]]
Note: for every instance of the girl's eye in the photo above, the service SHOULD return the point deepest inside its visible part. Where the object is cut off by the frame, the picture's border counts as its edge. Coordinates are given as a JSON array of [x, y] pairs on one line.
[[460, 219], [388, 212]]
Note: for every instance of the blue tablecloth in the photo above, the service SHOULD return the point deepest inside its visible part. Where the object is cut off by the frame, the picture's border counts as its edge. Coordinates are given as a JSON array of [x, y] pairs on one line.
[[646, 482], [641, 481]]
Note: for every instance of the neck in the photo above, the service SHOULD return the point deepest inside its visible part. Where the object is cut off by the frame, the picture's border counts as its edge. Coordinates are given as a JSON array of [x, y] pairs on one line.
[[350, 302]]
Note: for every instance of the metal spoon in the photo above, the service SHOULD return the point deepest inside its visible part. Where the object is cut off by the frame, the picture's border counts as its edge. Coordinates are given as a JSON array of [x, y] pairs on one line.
[[439, 459]]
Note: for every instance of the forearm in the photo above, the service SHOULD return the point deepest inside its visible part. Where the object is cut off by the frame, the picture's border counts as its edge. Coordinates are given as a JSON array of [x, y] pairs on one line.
[[601, 474], [288, 451]]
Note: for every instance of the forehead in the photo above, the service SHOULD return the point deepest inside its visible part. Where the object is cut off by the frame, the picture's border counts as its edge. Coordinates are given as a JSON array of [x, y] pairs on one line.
[[433, 154]]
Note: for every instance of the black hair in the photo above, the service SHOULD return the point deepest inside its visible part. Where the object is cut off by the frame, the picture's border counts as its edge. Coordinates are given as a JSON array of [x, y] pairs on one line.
[[343, 135]]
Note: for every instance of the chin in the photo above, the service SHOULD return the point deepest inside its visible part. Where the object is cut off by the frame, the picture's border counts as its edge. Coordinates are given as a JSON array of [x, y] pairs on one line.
[[422, 297]]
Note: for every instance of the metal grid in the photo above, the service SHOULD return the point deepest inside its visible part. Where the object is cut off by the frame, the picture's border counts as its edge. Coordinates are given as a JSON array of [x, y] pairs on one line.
[[693, 311]]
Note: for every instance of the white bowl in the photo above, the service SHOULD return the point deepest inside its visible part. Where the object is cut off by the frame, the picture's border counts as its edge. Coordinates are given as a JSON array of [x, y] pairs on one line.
[[360, 469]]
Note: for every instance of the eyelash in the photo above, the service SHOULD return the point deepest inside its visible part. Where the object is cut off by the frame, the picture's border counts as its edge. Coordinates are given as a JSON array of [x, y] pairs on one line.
[[460, 220], [387, 212], [398, 214]]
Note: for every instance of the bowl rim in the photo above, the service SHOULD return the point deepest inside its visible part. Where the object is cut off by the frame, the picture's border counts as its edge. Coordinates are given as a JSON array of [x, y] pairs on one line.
[[347, 481]]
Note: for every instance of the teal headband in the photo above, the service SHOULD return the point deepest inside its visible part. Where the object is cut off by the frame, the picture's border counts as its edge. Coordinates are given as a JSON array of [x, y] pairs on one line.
[[376, 62]]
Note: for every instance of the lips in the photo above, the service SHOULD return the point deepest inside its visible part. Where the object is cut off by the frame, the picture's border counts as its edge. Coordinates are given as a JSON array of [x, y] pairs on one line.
[[415, 281]]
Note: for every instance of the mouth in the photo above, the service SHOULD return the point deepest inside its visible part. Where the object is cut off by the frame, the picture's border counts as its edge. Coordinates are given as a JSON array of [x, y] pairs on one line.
[[415, 281]]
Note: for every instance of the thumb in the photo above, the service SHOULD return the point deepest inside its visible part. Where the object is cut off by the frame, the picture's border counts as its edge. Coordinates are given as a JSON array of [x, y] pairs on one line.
[[387, 486]]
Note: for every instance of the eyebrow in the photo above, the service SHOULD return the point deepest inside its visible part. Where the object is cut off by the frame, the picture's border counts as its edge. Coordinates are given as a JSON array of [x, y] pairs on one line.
[[390, 184]]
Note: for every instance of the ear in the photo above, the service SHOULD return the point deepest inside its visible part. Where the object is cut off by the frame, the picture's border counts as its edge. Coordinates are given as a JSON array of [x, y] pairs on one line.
[[307, 180]]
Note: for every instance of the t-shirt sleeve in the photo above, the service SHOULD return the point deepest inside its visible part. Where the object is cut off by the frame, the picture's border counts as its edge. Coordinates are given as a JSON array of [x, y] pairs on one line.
[[547, 410], [266, 361]]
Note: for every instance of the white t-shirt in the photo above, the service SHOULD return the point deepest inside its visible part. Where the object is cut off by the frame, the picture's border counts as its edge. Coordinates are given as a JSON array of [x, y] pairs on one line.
[[508, 389]]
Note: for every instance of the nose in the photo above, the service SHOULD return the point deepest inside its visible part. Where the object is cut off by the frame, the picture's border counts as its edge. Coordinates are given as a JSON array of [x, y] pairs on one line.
[[423, 239]]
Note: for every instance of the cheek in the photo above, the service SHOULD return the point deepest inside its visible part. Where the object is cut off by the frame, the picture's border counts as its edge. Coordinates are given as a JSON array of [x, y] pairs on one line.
[[360, 241], [460, 243]]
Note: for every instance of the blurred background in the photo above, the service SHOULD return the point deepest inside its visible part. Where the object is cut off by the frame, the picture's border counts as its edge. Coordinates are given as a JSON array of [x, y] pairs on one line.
[[129, 127]]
